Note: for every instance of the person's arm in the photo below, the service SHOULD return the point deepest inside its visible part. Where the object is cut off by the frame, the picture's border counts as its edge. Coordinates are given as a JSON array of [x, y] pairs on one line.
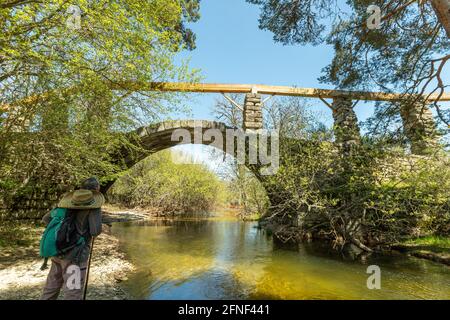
[[95, 222], [47, 218]]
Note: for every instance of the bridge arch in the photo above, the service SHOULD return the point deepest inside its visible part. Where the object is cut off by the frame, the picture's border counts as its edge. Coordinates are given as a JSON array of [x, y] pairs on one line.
[[167, 134], [163, 135]]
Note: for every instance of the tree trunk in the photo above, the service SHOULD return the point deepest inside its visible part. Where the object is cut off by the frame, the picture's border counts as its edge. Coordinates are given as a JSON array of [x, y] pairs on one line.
[[442, 9]]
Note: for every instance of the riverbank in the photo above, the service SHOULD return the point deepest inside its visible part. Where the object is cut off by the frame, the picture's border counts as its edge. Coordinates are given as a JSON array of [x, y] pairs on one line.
[[432, 248], [22, 279], [20, 274], [117, 213]]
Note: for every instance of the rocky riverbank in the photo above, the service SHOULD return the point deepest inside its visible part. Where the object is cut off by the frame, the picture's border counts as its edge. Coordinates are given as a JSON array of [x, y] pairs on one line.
[[292, 234], [424, 252], [22, 279]]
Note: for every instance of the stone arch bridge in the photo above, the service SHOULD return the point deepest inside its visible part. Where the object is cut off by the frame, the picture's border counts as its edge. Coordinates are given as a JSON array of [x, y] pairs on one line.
[[167, 134], [417, 117]]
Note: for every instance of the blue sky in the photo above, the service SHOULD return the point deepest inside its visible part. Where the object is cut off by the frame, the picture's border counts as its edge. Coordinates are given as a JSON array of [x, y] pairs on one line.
[[232, 49]]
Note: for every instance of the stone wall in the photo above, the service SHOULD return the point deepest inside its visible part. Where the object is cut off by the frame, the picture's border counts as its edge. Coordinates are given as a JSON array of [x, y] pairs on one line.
[[345, 123], [32, 205], [253, 119], [419, 127]]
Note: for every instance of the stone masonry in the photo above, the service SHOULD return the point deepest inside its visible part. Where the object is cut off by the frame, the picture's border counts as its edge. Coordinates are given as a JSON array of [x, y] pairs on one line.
[[345, 123], [252, 112], [419, 127]]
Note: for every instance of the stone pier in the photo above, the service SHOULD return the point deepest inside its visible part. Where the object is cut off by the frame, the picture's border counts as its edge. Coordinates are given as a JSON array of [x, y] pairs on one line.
[[345, 123], [419, 127], [253, 119]]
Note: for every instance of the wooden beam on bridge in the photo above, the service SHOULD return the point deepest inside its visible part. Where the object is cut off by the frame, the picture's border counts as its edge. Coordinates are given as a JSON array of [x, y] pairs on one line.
[[247, 88], [266, 89]]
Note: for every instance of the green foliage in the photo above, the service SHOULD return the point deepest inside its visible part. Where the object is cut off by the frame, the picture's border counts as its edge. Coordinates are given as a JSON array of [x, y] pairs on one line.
[[64, 113], [169, 188], [399, 52], [247, 192], [293, 21], [434, 241], [376, 195], [19, 233], [408, 53]]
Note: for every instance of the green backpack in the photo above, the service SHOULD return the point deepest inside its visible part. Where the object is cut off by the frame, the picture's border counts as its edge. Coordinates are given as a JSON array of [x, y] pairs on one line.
[[60, 235]]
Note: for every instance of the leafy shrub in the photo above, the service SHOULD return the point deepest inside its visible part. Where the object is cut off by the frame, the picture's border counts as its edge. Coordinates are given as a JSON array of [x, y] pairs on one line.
[[170, 188], [372, 197]]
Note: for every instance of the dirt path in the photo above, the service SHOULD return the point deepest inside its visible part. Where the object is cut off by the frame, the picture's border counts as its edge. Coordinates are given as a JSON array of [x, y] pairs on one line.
[[21, 277]]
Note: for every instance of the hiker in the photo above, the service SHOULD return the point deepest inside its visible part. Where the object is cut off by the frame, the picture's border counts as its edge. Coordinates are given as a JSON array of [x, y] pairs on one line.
[[85, 205]]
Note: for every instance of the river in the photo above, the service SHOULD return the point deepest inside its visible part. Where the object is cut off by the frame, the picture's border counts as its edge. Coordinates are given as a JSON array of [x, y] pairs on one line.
[[218, 258]]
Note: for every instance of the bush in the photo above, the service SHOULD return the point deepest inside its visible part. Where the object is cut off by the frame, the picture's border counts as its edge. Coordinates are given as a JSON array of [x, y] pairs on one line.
[[170, 188], [375, 196]]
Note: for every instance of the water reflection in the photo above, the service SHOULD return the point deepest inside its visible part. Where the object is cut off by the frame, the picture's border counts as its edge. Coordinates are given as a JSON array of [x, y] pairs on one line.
[[216, 259]]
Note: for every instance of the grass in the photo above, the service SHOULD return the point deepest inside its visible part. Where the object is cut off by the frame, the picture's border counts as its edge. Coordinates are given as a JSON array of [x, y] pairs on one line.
[[432, 241], [252, 217], [19, 233], [435, 248], [19, 240]]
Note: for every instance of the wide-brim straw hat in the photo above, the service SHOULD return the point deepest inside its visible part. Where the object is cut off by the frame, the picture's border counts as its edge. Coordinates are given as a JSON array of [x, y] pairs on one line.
[[82, 199]]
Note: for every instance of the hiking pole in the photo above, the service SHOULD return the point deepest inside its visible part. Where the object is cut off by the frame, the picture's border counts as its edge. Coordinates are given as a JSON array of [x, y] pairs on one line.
[[87, 270]]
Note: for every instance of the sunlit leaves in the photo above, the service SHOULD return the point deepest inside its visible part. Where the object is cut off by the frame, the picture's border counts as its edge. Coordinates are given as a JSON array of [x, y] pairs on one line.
[[75, 122], [158, 183]]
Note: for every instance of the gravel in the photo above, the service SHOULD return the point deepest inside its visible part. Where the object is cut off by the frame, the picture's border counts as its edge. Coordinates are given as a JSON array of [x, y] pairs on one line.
[[22, 279]]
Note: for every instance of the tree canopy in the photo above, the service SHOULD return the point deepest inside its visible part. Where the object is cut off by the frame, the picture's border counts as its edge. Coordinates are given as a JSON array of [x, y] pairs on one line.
[[63, 57], [407, 52]]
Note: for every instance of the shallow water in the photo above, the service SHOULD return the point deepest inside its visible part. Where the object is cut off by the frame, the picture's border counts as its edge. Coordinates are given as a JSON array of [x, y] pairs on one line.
[[230, 259]]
